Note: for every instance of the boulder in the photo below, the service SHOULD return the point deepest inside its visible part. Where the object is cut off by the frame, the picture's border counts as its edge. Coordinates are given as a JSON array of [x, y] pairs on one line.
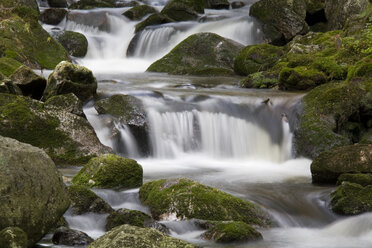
[[69, 78], [97, 19], [200, 54], [70, 237], [13, 237], [68, 102], [255, 58], [29, 82], [217, 4], [53, 16], [187, 199], [300, 78], [75, 43], [127, 216], [8, 87], [138, 12], [34, 196], [328, 166], [91, 4], [363, 179], [110, 171], [83, 200], [57, 3], [351, 199], [183, 10], [8, 66], [127, 236], [154, 19], [237, 4], [20, 3], [260, 80]]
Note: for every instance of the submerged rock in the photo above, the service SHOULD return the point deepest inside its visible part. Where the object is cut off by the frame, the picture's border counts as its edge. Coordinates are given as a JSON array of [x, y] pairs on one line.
[[300, 78], [13, 237], [127, 236], [97, 19], [260, 80], [75, 43], [70, 237], [33, 194], [110, 171], [200, 54], [127, 216], [53, 16], [138, 12]]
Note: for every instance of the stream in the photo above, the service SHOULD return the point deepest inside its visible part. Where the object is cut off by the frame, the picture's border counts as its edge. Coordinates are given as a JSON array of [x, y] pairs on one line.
[[209, 130]]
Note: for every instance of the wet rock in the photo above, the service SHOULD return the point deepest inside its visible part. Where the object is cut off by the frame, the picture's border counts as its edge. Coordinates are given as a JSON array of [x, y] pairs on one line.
[[127, 216], [57, 3], [96, 19], [183, 10], [33, 194], [29, 82], [328, 166], [200, 54], [20, 3], [7, 86], [154, 19], [53, 16], [237, 5], [363, 179], [260, 80], [300, 78], [110, 171], [187, 199], [127, 4], [217, 4], [70, 237], [83, 200], [13, 237], [138, 12], [127, 236], [75, 43], [69, 78], [91, 4], [8, 66], [68, 102]]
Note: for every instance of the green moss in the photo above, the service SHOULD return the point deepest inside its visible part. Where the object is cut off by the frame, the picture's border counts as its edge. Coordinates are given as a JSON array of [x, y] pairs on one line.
[[183, 10], [138, 12], [91, 4], [363, 179], [13, 237], [154, 19], [126, 216], [75, 43], [8, 66], [300, 78], [259, 80]]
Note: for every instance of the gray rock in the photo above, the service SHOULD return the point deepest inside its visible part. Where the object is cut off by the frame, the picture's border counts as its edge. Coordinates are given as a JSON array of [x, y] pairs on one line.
[[70, 237]]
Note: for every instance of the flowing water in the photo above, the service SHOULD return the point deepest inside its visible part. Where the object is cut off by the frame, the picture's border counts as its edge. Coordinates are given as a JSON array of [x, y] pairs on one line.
[[207, 129]]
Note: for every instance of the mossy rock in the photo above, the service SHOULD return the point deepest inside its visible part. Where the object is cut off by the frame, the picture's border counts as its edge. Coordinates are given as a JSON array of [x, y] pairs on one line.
[[8, 66], [328, 166], [110, 171], [53, 16], [29, 43], [260, 80], [34, 196], [20, 3], [138, 12], [154, 19], [351, 199], [8, 87], [127, 216], [231, 232], [183, 10], [217, 4], [13, 237], [363, 179], [300, 78], [255, 58], [188, 199], [68, 102], [362, 69], [75, 43], [70, 78], [91, 4], [127, 236], [83, 200], [204, 54], [70, 237]]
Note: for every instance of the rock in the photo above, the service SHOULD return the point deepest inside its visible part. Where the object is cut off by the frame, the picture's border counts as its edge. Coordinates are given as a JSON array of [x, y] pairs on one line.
[[351, 199], [67, 138], [29, 82], [91, 4], [97, 19], [53, 16], [154, 19], [230, 232], [200, 54], [69, 78], [260, 80], [20, 3], [127, 236], [187, 199], [328, 166], [255, 58], [57, 3], [237, 4], [300, 78], [30, 43], [8, 66], [183, 10], [68, 102], [70, 237], [127, 4], [217, 4], [363, 179], [83, 200], [7, 86], [33, 194], [138, 12], [337, 11], [282, 20], [126, 216], [110, 171], [13, 237], [75, 43]]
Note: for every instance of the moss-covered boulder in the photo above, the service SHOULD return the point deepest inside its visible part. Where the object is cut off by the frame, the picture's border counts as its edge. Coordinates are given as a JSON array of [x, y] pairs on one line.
[[110, 171], [66, 137], [83, 200], [8, 87], [70, 237], [70, 78], [13, 237], [200, 54], [127, 236], [351, 199], [34, 196], [255, 58], [8, 66], [138, 12], [217, 4], [230, 232], [187, 199], [328, 166], [29, 82], [68, 102], [363, 179], [19, 3], [91, 4], [260, 80], [183, 10], [154, 19], [75, 43], [57, 3], [53, 16], [300, 78], [127, 216]]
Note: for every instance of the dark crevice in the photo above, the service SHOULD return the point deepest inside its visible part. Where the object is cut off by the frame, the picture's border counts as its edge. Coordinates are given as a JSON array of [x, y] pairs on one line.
[[316, 17]]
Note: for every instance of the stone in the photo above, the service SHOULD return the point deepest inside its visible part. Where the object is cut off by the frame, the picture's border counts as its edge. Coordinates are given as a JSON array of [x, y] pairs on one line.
[[70, 237], [237, 4], [13, 237], [91, 4], [68, 102], [138, 12], [154, 19], [183, 10], [127, 216], [300, 78], [8, 87], [75, 43], [57, 3], [97, 19], [53, 16]]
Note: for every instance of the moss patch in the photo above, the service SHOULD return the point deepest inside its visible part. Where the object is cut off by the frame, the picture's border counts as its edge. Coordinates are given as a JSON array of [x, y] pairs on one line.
[[126, 216], [363, 179]]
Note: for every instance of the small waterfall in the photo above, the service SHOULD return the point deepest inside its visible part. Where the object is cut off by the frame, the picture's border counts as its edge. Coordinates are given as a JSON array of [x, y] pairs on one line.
[[129, 143]]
